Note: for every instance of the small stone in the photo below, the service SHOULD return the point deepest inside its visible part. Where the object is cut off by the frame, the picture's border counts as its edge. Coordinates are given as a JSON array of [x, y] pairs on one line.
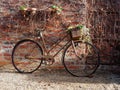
[[49, 84]]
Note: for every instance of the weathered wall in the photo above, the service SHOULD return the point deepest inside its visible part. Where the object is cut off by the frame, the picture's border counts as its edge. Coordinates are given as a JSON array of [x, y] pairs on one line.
[[14, 28], [102, 17], [104, 21]]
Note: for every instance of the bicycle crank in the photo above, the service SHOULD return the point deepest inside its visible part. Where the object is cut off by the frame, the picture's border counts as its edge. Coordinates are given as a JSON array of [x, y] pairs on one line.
[[48, 59]]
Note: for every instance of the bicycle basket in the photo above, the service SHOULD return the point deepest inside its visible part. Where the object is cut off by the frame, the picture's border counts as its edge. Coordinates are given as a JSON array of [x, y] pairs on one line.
[[75, 33]]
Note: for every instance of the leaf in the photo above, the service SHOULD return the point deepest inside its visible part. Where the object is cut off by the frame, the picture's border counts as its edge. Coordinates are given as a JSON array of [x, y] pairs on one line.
[[22, 7], [58, 8]]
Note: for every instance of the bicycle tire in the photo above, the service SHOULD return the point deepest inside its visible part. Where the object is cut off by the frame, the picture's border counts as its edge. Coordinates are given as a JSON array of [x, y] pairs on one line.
[[81, 64], [21, 51]]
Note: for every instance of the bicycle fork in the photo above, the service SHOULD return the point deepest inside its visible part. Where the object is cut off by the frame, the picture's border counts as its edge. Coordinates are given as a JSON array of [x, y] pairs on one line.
[[80, 57]]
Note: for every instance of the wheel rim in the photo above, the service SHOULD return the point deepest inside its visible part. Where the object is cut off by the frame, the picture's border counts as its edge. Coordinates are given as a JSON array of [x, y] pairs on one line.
[[82, 65], [21, 52]]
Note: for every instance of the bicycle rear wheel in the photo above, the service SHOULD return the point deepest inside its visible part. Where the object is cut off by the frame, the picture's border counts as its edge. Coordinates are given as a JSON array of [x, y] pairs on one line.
[[26, 56], [82, 60]]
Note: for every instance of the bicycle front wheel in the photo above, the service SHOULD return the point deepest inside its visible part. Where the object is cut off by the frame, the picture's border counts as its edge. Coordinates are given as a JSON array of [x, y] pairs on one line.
[[26, 56], [81, 59]]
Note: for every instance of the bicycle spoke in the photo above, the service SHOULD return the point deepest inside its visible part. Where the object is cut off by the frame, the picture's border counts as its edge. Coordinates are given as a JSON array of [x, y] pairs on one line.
[[81, 60], [26, 56]]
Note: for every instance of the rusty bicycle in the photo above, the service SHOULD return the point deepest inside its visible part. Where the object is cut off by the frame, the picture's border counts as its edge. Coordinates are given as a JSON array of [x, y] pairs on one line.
[[79, 58]]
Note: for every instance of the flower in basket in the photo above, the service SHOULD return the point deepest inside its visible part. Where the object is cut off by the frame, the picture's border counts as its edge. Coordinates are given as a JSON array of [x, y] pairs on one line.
[[75, 26], [75, 30], [85, 32], [81, 31]]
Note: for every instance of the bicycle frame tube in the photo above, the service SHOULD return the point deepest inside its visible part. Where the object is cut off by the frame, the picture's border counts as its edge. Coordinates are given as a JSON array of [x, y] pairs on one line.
[[54, 45], [62, 48], [43, 42], [73, 45]]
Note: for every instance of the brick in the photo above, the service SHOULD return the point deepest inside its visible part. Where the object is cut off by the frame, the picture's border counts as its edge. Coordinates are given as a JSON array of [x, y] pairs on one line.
[[6, 54], [8, 58], [3, 63]]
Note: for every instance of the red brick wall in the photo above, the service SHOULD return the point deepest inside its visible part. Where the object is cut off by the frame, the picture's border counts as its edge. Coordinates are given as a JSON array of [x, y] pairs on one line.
[[104, 21], [13, 27]]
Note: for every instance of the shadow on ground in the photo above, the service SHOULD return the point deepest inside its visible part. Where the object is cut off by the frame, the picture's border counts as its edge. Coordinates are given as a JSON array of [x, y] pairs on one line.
[[53, 76], [58, 76], [61, 76]]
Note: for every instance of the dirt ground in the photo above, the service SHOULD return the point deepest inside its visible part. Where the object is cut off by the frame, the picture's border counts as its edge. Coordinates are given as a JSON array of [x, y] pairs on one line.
[[57, 80]]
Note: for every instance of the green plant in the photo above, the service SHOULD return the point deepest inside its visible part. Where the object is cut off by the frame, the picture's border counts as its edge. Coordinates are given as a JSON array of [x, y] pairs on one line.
[[58, 8], [84, 32], [22, 7]]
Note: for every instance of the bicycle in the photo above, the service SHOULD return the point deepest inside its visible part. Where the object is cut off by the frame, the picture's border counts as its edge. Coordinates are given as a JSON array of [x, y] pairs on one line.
[[79, 58]]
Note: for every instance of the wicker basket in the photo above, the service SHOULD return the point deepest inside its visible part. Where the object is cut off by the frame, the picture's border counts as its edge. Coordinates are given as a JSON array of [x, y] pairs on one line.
[[75, 33]]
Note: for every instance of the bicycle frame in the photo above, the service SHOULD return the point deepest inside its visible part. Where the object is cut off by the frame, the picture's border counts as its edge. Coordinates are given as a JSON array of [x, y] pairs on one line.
[[47, 52]]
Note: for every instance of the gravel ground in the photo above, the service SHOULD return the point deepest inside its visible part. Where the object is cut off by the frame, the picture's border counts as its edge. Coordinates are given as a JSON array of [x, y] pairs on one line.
[[57, 80]]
